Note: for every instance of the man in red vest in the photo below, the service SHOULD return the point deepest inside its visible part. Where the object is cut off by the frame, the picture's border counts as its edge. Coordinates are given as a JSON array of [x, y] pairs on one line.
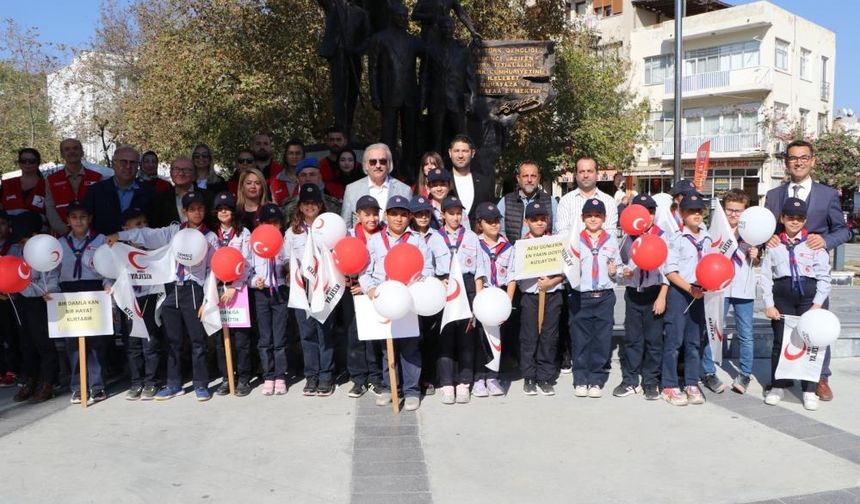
[[67, 185]]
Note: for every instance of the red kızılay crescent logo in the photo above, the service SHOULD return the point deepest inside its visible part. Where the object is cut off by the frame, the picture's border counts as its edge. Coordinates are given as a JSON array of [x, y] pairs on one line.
[[456, 292], [792, 357], [132, 259]]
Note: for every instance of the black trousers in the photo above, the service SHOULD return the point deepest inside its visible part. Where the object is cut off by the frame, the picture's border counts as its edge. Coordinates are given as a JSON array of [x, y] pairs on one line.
[[591, 331], [538, 350], [363, 358], [179, 316], [272, 313], [789, 302], [642, 349], [457, 346], [429, 327], [144, 356], [11, 346], [40, 361]]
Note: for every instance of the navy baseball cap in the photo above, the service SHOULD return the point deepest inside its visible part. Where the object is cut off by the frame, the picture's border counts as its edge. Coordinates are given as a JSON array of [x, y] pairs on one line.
[[644, 200], [310, 162], [535, 209], [132, 213], [452, 202], [76, 205], [794, 206], [683, 187], [420, 204], [593, 205], [192, 197], [367, 202], [438, 174], [310, 192], [692, 201], [488, 211], [270, 212], [397, 202], [225, 198]]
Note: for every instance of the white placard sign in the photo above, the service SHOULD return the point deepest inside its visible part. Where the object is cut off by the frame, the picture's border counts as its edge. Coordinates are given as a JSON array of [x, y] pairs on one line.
[[373, 326], [538, 257], [75, 314]]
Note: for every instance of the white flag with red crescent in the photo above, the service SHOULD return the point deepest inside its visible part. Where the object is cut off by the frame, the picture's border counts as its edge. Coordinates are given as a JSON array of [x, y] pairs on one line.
[[330, 288], [714, 323], [298, 296], [211, 316], [123, 296], [570, 255], [494, 337], [722, 237], [146, 267], [797, 360], [457, 302], [666, 221]]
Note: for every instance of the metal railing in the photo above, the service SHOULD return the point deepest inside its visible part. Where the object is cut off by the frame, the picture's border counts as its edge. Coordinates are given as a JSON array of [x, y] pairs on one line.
[[707, 80], [734, 142]]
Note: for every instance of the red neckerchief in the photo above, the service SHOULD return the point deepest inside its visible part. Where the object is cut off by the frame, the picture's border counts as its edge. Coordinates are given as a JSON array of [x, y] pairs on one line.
[[224, 238], [363, 235], [585, 238], [493, 253], [790, 244], [403, 239], [461, 233], [79, 252]]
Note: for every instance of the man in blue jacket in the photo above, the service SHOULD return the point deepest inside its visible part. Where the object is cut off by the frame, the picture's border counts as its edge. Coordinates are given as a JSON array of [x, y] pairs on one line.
[[108, 199]]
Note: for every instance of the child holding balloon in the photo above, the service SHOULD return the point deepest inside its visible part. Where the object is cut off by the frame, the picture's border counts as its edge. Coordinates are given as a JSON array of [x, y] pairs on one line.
[[77, 274], [317, 337], [268, 283], [794, 279], [645, 294], [231, 233], [180, 311]]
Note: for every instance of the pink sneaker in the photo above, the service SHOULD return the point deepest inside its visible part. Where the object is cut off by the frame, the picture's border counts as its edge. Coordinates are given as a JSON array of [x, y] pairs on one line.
[[268, 387], [280, 387]]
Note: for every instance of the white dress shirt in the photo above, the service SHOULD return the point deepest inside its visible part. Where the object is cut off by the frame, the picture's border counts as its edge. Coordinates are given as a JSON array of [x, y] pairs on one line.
[[379, 193], [465, 190], [803, 191], [570, 211]]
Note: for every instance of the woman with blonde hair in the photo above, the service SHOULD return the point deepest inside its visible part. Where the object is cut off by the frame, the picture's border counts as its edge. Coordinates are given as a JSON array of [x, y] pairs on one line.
[[253, 194]]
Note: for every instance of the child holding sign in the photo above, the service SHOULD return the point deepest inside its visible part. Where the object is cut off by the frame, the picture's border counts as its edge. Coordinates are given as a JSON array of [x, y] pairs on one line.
[[592, 302], [77, 274], [268, 283], [180, 312], [231, 233], [794, 280], [538, 347]]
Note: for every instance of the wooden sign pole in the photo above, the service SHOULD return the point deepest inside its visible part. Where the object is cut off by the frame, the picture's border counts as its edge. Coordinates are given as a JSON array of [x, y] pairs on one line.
[[541, 306], [228, 353], [392, 376], [82, 368]]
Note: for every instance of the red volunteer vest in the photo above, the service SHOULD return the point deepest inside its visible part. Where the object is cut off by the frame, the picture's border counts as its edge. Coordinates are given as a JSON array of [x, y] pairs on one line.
[[14, 201], [62, 191]]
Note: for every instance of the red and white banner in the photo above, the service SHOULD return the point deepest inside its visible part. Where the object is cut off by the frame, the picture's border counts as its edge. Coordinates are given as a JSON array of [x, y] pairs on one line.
[[327, 283], [714, 324], [722, 237], [703, 157], [145, 267], [457, 302], [211, 316], [298, 297], [797, 361], [126, 301], [494, 337]]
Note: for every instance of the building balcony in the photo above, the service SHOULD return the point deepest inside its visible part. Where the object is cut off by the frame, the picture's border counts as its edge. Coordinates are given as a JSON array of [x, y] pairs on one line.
[[729, 144], [755, 79], [825, 91]]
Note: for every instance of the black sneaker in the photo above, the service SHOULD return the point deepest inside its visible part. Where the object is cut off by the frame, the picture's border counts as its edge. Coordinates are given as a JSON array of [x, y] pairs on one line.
[[714, 384], [311, 385], [134, 393], [357, 390], [377, 388], [223, 388], [99, 395], [624, 390], [148, 392], [76, 398], [529, 387], [243, 388], [325, 389], [652, 392], [429, 389], [545, 388], [741, 383]]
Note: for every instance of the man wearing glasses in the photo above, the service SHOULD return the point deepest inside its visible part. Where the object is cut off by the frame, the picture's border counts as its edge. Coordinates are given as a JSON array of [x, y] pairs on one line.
[[825, 220], [67, 185], [167, 206], [108, 199], [378, 183]]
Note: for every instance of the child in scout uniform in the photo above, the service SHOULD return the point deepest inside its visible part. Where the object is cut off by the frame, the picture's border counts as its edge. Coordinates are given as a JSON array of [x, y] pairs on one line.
[[39, 359], [77, 274], [363, 357], [397, 215], [644, 305], [537, 348], [268, 285], [496, 255], [794, 280], [685, 310], [144, 355], [231, 233], [457, 338], [441, 185], [422, 217], [317, 337], [180, 311], [593, 302]]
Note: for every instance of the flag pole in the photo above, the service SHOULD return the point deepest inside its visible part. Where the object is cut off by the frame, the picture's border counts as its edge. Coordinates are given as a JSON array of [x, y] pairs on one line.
[[82, 369], [541, 306], [392, 376]]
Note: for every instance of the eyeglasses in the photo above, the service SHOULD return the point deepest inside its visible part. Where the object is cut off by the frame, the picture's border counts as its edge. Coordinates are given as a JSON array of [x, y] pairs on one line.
[[243, 160], [126, 162], [27, 161], [795, 159], [734, 211], [380, 162], [198, 156]]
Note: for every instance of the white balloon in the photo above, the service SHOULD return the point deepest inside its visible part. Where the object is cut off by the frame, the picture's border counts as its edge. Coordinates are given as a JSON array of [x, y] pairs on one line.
[[104, 263], [428, 296], [492, 306], [757, 225], [189, 247], [663, 200], [43, 252], [819, 328], [328, 229], [392, 300]]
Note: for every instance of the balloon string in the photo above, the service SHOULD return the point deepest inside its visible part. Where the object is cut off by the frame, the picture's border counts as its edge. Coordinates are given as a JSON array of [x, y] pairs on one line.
[[14, 309]]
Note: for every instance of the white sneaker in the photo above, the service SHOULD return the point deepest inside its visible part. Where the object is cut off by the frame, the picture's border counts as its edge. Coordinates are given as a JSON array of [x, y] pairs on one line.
[[810, 401], [595, 392], [774, 396], [580, 391]]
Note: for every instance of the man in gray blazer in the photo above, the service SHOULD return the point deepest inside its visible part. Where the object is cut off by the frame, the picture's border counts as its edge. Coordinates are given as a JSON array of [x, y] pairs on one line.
[[378, 183], [825, 222]]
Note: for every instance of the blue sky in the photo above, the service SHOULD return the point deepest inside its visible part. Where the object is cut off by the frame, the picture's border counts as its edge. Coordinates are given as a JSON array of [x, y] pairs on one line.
[[71, 22]]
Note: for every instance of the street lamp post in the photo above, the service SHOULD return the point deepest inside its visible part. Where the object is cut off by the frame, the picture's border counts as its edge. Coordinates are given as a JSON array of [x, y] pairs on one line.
[[679, 60]]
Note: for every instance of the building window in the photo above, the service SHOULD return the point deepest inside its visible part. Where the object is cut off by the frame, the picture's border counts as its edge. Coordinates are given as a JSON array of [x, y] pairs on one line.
[[804, 120], [659, 68], [805, 59], [607, 8], [825, 85], [721, 58], [781, 55], [579, 8], [822, 124]]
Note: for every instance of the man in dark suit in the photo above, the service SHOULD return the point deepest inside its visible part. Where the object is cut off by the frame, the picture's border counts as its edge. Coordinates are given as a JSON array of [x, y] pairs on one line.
[[166, 205], [825, 220], [473, 188], [108, 199]]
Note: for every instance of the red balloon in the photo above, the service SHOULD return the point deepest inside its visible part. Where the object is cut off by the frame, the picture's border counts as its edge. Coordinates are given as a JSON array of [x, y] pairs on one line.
[[266, 241], [15, 274], [350, 255], [649, 252], [635, 219], [714, 272], [404, 263], [228, 264]]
